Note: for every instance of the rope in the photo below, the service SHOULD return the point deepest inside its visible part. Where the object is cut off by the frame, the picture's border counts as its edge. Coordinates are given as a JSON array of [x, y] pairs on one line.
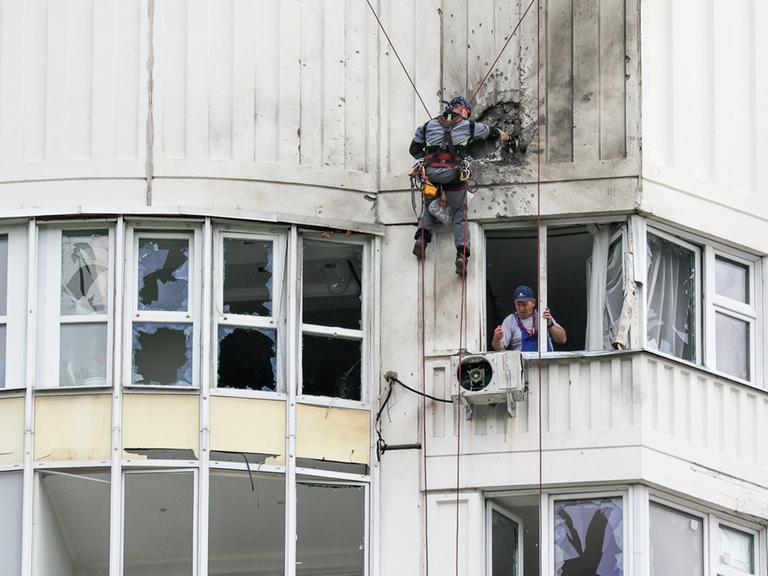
[[462, 315], [493, 65], [424, 390], [538, 253], [381, 26]]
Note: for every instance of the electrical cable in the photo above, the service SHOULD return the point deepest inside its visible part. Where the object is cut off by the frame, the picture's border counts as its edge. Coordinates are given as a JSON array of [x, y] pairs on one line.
[[423, 394], [398, 57], [493, 65]]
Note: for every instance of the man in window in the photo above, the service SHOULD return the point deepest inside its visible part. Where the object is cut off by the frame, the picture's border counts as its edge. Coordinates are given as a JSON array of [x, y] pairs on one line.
[[519, 330]]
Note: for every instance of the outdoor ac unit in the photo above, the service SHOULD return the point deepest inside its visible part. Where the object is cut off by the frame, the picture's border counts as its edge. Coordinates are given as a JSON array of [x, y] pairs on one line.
[[489, 378]]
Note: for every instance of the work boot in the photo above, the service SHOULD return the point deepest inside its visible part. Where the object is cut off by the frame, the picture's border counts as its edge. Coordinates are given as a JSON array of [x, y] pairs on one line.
[[417, 249], [461, 264]]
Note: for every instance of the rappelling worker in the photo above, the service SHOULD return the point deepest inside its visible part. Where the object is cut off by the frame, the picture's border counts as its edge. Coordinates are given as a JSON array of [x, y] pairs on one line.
[[441, 146]]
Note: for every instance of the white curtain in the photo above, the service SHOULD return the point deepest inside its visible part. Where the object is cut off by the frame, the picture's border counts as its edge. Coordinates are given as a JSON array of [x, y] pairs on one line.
[[605, 288], [671, 291]]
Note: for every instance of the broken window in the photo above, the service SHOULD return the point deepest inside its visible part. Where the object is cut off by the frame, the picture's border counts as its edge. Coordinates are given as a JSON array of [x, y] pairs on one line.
[[512, 527], [74, 345], [245, 305], [247, 359], [71, 523], [672, 296], [676, 541], [584, 270], [332, 321], [341, 550], [163, 329], [162, 354], [589, 537], [10, 521], [246, 525], [158, 523]]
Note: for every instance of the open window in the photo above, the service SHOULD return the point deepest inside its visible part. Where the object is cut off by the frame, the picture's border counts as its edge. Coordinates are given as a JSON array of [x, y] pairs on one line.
[[333, 318], [74, 296], [586, 284], [248, 279], [512, 535], [163, 308], [71, 522]]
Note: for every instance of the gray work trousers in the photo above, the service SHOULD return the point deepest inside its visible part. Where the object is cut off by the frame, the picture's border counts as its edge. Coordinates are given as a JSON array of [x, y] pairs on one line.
[[457, 200]]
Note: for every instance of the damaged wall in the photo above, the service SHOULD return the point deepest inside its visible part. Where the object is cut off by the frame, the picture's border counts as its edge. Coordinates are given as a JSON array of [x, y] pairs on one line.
[[73, 427], [335, 434], [248, 425], [161, 426]]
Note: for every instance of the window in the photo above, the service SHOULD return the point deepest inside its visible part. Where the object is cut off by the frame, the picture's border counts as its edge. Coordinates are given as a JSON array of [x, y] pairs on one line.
[[505, 542], [736, 551], [71, 523], [75, 319], [162, 332], [341, 550], [3, 305], [158, 522], [585, 281], [589, 536], [332, 319], [10, 521], [702, 304], [677, 542], [247, 308]]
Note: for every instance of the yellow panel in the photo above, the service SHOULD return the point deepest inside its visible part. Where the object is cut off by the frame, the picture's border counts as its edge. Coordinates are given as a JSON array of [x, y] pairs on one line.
[[73, 427], [160, 421], [11, 430], [337, 434], [249, 425]]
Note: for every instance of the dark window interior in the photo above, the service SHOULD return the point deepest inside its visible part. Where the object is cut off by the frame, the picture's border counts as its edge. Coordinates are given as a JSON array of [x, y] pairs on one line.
[[331, 367], [247, 277], [511, 260], [331, 284], [247, 359]]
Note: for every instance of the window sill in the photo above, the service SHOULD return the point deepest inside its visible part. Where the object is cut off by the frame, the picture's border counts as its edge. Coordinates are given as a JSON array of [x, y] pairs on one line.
[[71, 390], [328, 402], [241, 393], [154, 389]]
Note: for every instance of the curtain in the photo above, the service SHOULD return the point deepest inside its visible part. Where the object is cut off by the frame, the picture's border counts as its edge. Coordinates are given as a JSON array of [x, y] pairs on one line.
[[671, 292], [605, 288]]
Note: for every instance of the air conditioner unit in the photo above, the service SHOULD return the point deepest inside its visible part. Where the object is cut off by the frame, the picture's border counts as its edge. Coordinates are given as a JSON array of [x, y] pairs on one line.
[[489, 378]]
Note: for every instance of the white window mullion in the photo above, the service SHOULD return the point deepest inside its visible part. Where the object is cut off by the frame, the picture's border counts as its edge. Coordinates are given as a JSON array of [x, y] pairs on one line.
[[710, 351]]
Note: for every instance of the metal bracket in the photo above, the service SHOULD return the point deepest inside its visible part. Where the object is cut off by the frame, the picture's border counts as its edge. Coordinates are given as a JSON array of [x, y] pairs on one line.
[[467, 408]]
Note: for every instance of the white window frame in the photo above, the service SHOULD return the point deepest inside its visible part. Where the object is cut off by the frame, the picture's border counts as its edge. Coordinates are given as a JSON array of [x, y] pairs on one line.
[[50, 319], [169, 230], [549, 529], [490, 508], [709, 302], [678, 507], [195, 509], [15, 319], [722, 569], [274, 322], [362, 335]]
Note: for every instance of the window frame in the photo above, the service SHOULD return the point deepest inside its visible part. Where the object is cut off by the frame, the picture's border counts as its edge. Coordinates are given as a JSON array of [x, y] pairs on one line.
[[362, 335], [722, 569], [132, 315], [678, 507], [490, 508], [276, 321], [48, 300], [709, 302]]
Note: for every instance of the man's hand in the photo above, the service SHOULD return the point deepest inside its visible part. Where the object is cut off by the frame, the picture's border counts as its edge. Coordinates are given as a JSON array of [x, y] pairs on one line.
[[555, 330], [498, 336], [548, 316], [503, 136]]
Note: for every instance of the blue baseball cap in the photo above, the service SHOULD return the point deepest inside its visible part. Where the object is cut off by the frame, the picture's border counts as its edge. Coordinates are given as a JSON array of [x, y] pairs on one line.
[[459, 101], [524, 293]]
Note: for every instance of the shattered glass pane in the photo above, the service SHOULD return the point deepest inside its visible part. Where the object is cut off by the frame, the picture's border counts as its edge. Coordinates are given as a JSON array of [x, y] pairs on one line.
[[737, 549], [2, 355], [331, 284], [323, 551], [247, 277], [331, 367], [83, 355], [163, 274], [732, 345], [504, 543], [246, 528], [671, 298], [732, 279], [589, 537], [677, 542], [3, 275], [84, 272], [162, 354], [247, 359]]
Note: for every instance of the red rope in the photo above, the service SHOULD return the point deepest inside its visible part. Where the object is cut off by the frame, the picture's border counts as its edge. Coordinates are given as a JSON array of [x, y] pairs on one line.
[[538, 258], [462, 315], [424, 390]]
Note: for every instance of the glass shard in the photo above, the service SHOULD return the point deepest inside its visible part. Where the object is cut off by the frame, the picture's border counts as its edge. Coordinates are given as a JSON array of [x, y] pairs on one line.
[[162, 354], [247, 359], [331, 367], [83, 355], [331, 284], [247, 277], [84, 272], [163, 274]]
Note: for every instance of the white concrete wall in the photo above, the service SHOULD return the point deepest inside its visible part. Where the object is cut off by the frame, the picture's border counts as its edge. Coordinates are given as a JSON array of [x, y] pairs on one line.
[[705, 116]]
